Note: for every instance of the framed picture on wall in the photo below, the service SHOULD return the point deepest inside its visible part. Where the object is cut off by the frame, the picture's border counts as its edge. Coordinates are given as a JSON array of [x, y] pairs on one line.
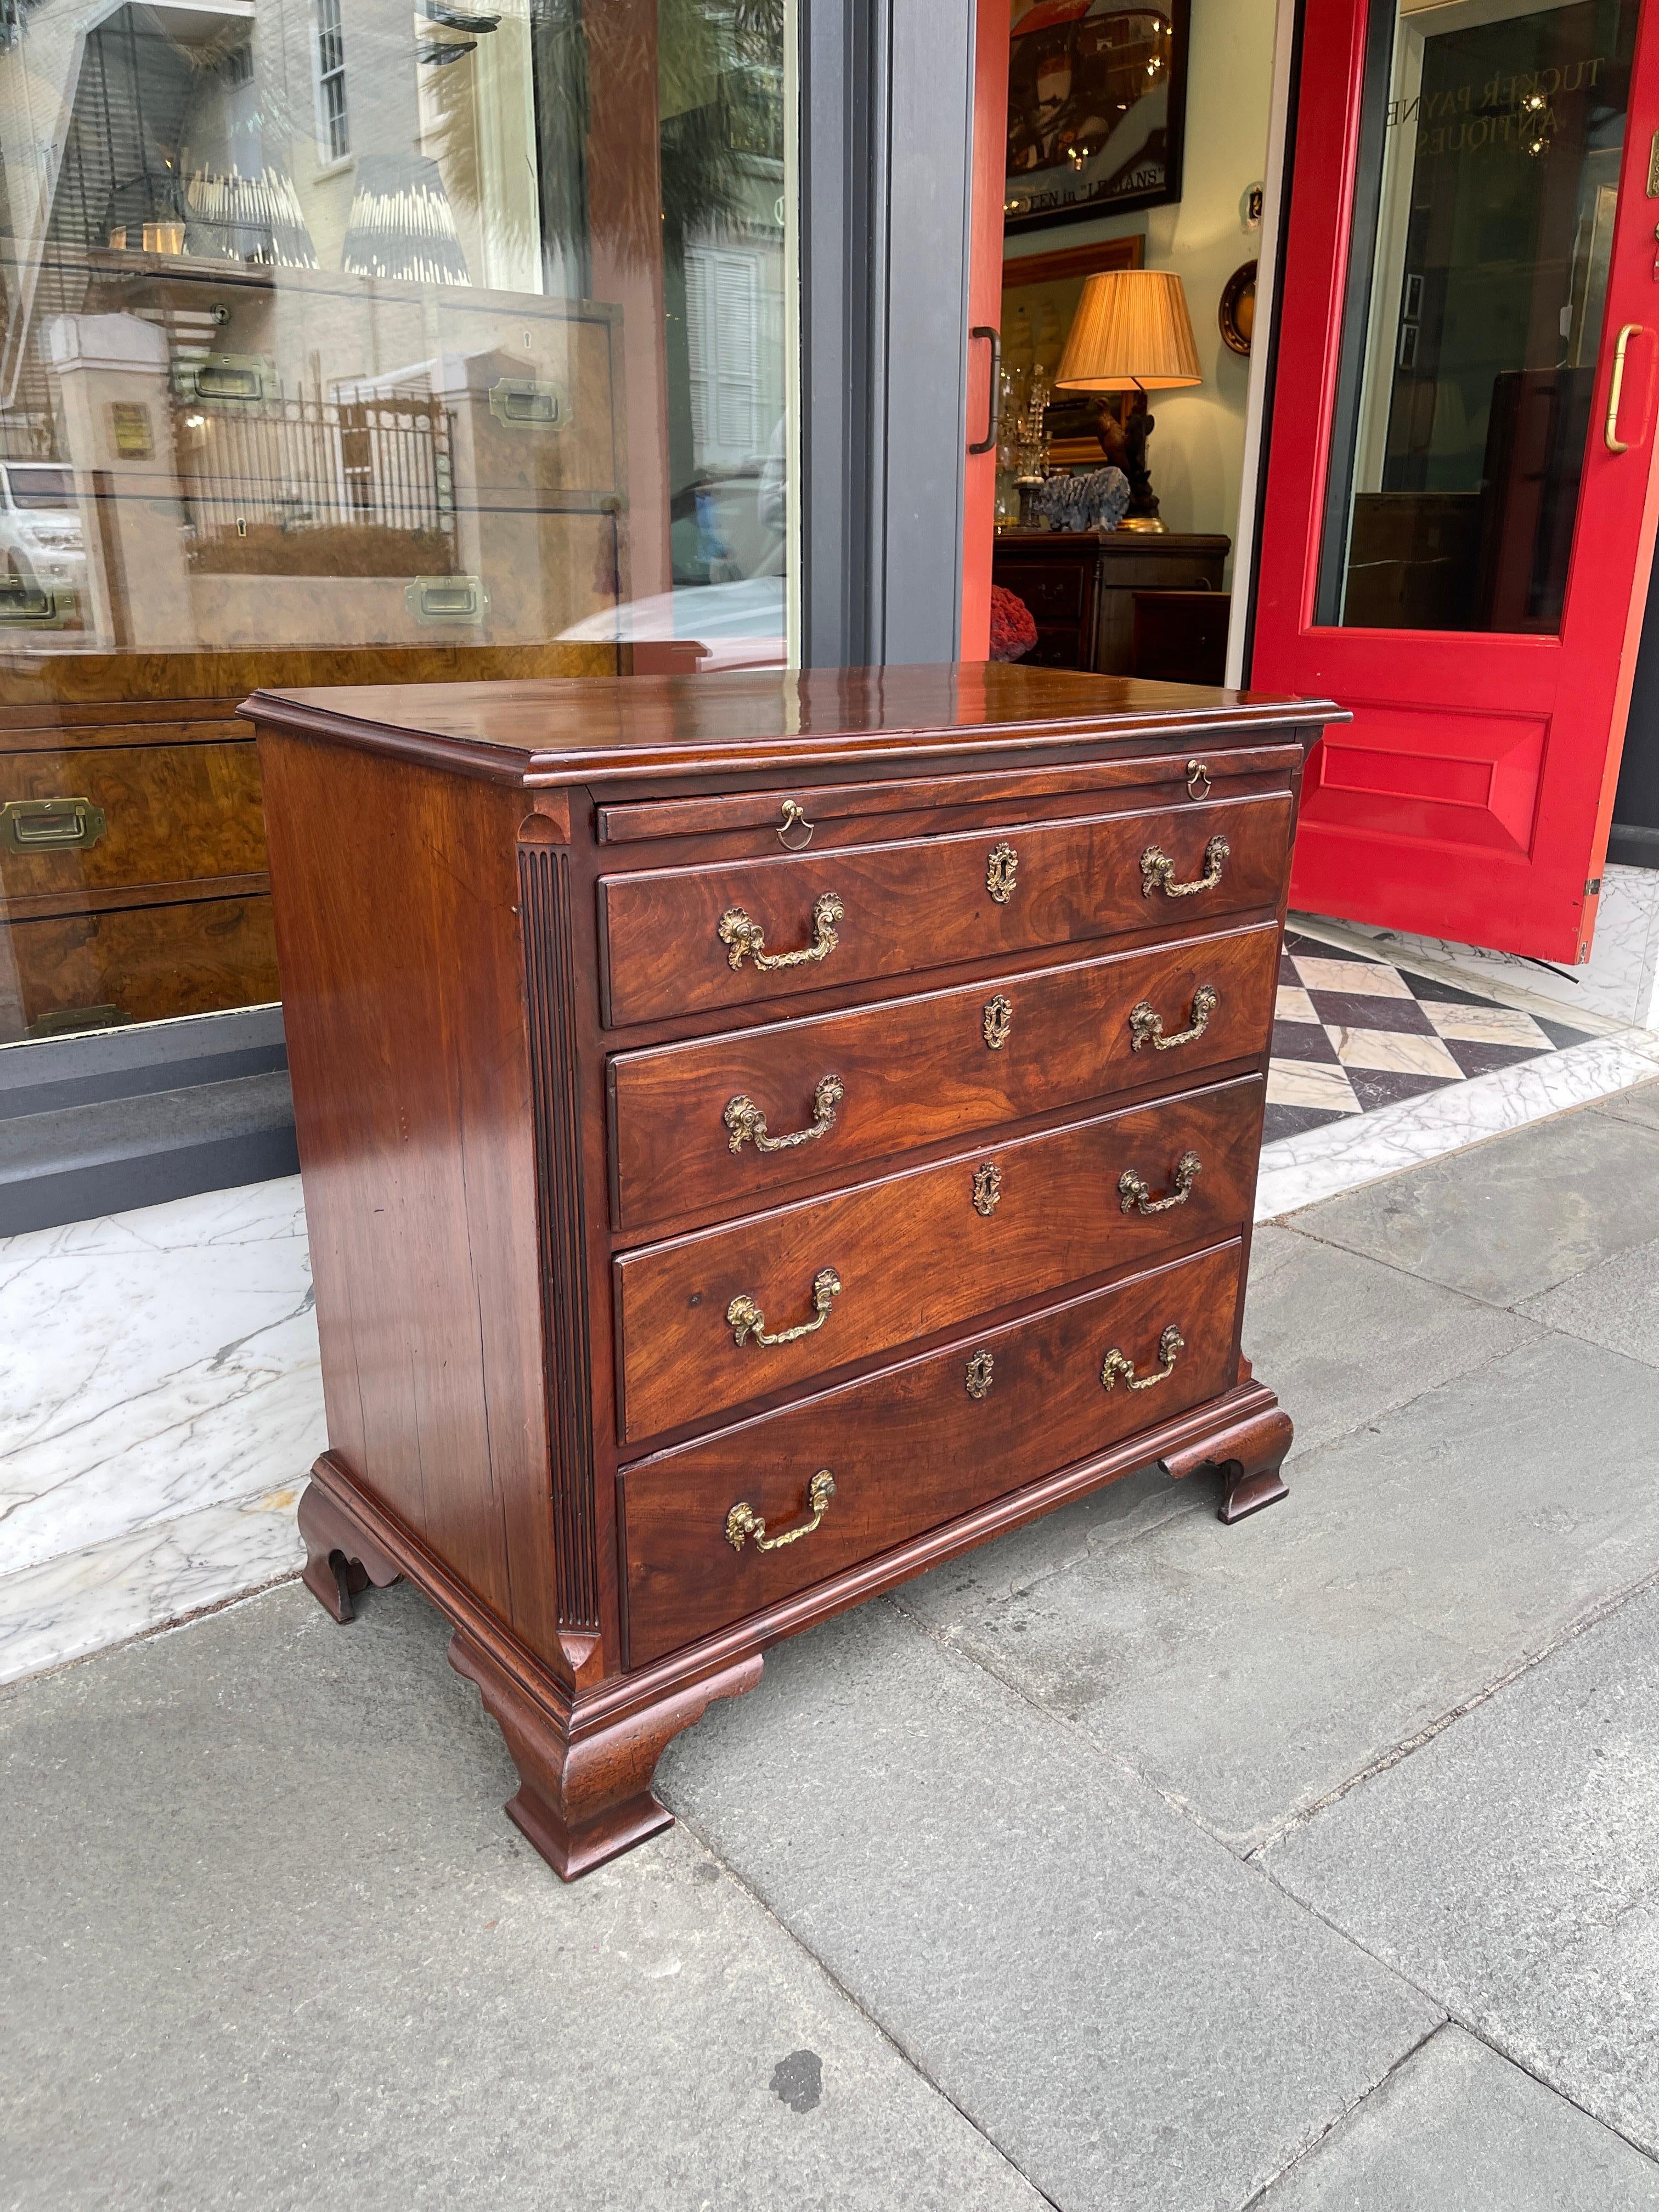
[[1096, 106]]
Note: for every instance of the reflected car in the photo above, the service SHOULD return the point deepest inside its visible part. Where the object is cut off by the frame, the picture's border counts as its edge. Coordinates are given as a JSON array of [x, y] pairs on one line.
[[703, 627], [42, 547]]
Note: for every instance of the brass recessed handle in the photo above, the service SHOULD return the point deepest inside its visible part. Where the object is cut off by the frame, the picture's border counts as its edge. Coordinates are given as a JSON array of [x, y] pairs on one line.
[[1002, 869], [794, 817], [742, 936], [742, 1519], [1146, 1026], [1171, 1346], [748, 1322], [1138, 1198], [50, 826], [747, 1124], [1615, 443], [1158, 871]]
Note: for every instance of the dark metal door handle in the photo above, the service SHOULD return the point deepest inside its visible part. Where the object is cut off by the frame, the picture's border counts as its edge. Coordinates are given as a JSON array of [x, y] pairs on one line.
[[994, 405]]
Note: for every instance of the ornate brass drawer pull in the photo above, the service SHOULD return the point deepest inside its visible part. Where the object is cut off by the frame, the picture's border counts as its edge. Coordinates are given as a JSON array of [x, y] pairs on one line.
[[740, 936], [742, 1519], [1158, 871], [1170, 1345], [1146, 1027], [1001, 867], [748, 1322], [745, 1121], [1137, 1199]]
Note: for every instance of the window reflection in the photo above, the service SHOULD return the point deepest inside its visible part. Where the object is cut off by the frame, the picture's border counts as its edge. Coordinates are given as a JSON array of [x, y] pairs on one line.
[[358, 341]]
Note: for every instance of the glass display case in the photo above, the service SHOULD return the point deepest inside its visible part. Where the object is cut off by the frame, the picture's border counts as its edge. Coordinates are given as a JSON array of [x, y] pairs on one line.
[[343, 341]]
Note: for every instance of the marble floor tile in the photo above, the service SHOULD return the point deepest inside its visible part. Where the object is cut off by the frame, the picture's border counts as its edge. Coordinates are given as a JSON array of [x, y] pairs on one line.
[[151, 1364], [1486, 1024], [84, 1601], [1295, 1082], [1391, 1049], [1370, 976], [1293, 1004]]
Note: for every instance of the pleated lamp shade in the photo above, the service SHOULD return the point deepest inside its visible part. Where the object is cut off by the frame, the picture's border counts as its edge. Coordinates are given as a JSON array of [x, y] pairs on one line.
[[1131, 333]]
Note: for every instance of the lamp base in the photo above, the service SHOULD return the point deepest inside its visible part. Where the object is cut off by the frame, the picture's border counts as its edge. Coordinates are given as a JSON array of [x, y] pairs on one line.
[[1143, 522]]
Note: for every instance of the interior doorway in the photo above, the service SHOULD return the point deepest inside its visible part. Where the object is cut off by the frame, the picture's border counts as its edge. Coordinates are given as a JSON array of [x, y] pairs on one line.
[[1133, 171]]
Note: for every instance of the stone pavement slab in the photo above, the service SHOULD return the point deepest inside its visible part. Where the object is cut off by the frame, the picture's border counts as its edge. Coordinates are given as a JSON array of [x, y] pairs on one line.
[[1343, 1339], [1616, 1304], [1457, 2129], [272, 1943], [1137, 2019], [1640, 1103], [1506, 1220], [1510, 1868], [1250, 1671]]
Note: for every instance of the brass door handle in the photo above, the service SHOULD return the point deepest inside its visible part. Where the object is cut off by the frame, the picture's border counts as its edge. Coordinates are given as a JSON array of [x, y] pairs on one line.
[[745, 1121], [1158, 871], [740, 936], [748, 1322], [50, 826], [1146, 1027], [1170, 1345], [1137, 1199], [1615, 443], [742, 1519]]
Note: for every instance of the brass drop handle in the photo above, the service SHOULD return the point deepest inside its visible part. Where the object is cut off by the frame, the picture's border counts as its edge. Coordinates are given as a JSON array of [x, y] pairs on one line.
[[1171, 1346], [748, 1322], [746, 1123], [1137, 1199], [740, 936], [742, 1519], [50, 826], [1158, 871], [1146, 1026], [794, 817], [1610, 435]]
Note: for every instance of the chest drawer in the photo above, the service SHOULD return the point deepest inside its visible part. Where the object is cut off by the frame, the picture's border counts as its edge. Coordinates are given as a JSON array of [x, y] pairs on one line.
[[684, 940], [152, 814], [711, 1321], [913, 1448], [718, 1125]]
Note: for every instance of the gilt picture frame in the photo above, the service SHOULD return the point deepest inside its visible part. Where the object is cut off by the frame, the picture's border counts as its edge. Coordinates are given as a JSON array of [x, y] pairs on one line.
[[1097, 109]]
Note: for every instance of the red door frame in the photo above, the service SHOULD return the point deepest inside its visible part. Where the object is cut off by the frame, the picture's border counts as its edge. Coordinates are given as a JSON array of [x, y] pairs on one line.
[[991, 37], [1471, 795]]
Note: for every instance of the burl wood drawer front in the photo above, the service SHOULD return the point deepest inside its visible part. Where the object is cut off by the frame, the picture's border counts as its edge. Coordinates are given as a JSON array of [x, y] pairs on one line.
[[164, 814], [680, 940], [719, 1125], [709, 1321], [913, 1448], [138, 964]]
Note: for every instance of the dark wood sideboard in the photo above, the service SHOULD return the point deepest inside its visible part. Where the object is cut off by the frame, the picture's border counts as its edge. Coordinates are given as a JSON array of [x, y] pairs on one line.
[[763, 1135], [1081, 585]]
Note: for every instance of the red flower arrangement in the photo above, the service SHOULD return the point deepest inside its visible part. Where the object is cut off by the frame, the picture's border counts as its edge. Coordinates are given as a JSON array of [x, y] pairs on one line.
[[1013, 632]]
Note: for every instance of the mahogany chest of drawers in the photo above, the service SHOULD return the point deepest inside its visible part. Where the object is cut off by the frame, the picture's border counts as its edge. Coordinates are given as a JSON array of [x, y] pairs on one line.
[[762, 1135]]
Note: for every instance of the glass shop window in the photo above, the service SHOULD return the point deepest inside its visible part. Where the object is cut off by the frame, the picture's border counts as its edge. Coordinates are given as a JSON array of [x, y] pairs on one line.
[[350, 340]]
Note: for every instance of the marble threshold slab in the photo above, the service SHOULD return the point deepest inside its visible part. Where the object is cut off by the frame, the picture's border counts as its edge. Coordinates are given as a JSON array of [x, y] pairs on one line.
[[160, 1369]]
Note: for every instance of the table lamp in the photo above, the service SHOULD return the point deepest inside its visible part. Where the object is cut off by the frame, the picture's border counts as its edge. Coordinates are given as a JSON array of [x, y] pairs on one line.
[[1131, 334]]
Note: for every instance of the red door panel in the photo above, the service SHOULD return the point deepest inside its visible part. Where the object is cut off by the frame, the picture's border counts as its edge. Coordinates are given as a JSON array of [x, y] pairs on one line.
[[1458, 523]]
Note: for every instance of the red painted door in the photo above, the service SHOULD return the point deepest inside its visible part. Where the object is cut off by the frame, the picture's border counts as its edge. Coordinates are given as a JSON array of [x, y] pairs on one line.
[[984, 316], [1460, 497]]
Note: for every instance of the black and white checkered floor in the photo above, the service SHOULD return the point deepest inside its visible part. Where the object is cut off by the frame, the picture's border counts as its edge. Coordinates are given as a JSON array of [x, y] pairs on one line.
[[1351, 1034]]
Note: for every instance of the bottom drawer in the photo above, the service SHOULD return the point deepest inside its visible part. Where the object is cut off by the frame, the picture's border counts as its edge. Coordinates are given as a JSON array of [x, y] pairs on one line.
[[912, 1448]]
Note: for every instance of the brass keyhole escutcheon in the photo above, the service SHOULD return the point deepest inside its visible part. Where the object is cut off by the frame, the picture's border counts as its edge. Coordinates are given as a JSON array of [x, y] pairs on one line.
[[987, 1188], [998, 1021], [982, 1373], [1001, 867]]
